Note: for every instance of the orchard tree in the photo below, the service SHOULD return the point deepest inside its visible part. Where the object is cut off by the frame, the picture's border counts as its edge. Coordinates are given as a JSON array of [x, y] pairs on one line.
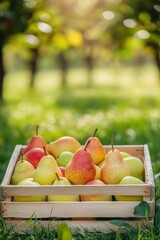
[[13, 19]]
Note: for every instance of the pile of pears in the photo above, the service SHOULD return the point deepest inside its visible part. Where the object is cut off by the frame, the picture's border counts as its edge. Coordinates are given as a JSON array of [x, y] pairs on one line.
[[65, 161]]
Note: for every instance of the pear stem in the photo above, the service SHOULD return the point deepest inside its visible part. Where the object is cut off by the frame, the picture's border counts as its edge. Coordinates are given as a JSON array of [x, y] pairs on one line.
[[95, 132], [112, 142], [45, 151], [85, 147], [37, 127], [57, 176]]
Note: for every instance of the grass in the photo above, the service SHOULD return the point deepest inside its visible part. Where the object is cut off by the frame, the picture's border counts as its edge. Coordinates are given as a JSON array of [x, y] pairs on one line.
[[124, 102]]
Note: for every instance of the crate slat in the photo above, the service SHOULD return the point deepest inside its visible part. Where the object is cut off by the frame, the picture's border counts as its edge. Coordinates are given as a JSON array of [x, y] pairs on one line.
[[70, 209]]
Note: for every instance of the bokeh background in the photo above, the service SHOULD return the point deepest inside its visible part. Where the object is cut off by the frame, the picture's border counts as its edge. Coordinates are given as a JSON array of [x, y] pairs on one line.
[[71, 66]]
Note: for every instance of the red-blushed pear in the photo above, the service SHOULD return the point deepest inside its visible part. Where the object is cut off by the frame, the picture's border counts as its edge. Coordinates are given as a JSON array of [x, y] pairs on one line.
[[96, 197], [96, 149], [23, 169], [36, 141], [45, 171], [114, 168], [81, 168], [29, 182], [130, 180], [34, 156], [62, 144], [61, 181], [63, 169]]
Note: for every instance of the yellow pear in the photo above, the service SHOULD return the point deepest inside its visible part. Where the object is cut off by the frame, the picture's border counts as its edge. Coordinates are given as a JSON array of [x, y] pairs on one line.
[[114, 168], [130, 180], [29, 182], [23, 169], [98, 170], [60, 181], [96, 149], [65, 143], [46, 169]]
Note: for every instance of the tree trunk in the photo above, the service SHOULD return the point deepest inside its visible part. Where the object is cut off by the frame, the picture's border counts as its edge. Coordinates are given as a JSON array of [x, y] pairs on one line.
[[156, 48], [64, 67], [33, 66], [2, 71], [90, 64]]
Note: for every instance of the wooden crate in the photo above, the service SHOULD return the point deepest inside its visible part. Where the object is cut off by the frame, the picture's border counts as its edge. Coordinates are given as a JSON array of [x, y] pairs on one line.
[[90, 215]]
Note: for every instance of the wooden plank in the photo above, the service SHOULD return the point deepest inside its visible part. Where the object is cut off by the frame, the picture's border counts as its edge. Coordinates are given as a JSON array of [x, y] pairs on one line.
[[11, 165], [69, 209], [110, 189]]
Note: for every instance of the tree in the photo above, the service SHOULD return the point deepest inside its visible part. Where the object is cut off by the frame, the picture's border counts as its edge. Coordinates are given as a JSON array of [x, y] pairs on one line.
[[13, 19]]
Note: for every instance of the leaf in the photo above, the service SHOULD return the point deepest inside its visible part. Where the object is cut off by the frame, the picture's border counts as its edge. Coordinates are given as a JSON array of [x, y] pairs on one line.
[[142, 209], [120, 223], [157, 218]]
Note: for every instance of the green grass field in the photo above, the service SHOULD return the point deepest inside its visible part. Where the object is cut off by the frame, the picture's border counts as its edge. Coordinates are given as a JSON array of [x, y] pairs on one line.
[[123, 102]]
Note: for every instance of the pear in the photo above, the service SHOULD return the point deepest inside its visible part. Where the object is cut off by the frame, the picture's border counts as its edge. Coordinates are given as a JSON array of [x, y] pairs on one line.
[[95, 197], [81, 168], [35, 141], [96, 149], [114, 168], [34, 155], [29, 182], [23, 169], [61, 181], [64, 158], [130, 180], [98, 170], [136, 166], [125, 154], [65, 143], [46, 169]]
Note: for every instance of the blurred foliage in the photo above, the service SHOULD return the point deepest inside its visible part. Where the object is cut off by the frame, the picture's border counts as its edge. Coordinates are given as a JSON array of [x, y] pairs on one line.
[[102, 29]]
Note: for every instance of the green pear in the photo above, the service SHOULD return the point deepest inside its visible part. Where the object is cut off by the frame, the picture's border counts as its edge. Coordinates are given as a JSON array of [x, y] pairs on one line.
[[125, 154], [64, 158], [130, 180], [136, 167], [61, 181], [29, 182], [96, 149], [96, 197], [81, 168], [65, 143], [23, 169], [114, 168], [64, 232], [46, 169]]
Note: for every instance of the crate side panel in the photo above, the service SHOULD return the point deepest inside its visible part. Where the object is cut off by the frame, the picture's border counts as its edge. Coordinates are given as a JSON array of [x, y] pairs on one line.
[[70, 209], [11, 165]]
